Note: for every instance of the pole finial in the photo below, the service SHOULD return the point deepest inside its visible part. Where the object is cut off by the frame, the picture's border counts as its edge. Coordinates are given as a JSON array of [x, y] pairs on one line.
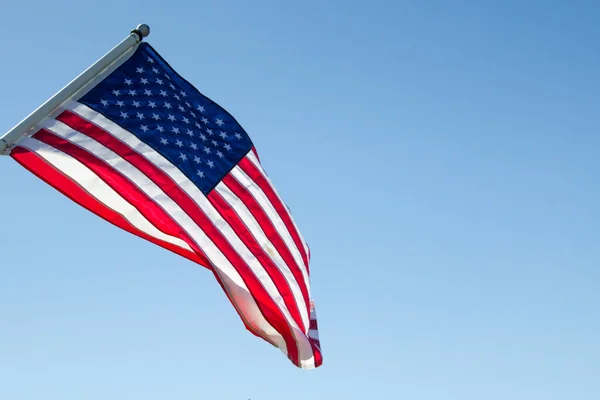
[[142, 31]]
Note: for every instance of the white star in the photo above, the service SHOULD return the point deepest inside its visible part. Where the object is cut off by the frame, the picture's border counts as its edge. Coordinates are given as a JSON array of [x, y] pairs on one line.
[[151, 61], [140, 115], [215, 143], [160, 128], [219, 121], [182, 156], [227, 146], [200, 108], [200, 174], [223, 135], [197, 159], [171, 117], [128, 82], [177, 96], [140, 70], [193, 114], [155, 70], [206, 150], [148, 92], [144, 81], [116, 93], [167, 105], [211, 164], [198, 125], [171, 85], [120, 103], [124, 115], [156, 116], [167, 76], [175, 130], [188, 105], [132, 93], [136, 104], [183, 93], [104, 102], [163, 93], [151, 104], [203, 137], [194, 146], [204, 120], [144, 128], [190, 133], [163, 141], [184, 119], [179, 143], [238, 136], [209, 131], [159, 81], [220, 154], [181, 108]]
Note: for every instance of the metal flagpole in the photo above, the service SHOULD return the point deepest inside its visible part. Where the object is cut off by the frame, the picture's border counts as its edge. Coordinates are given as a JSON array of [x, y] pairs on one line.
[[30, 122]]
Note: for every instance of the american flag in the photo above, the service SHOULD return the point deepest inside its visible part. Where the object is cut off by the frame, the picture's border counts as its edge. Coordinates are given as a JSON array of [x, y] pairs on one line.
[[146, 151]]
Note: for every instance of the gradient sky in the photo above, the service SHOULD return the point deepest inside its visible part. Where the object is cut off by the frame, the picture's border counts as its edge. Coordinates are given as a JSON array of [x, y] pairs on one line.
[[441, 159]]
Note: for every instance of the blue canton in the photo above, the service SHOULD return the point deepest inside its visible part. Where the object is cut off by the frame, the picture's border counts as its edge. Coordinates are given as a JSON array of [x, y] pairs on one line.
[[148, 98]]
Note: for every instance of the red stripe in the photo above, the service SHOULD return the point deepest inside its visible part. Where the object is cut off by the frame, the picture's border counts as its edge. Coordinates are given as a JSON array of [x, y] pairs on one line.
[[264, 302], [313, 324], [316, 346], [47, 173], [255, 153], [242, 231], [254, 173], [270, 231]]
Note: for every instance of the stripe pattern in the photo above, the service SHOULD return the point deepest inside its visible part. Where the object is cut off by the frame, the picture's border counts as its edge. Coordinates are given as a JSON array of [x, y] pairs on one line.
[[240, 229]]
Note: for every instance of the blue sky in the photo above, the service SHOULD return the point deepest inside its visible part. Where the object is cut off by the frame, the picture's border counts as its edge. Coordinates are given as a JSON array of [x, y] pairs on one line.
[[441, 160]]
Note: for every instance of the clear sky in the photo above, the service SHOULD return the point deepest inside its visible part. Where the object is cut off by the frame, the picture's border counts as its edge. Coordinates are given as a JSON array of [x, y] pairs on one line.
[[440, 159]]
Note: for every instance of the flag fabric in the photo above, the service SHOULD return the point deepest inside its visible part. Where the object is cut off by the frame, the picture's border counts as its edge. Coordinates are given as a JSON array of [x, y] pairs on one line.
[[146, 151]]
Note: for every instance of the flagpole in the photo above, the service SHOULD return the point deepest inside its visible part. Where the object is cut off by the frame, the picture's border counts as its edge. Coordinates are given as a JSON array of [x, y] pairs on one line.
[[21, 129]]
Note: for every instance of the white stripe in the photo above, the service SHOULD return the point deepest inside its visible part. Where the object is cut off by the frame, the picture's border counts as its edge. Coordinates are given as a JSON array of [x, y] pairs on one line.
[[98, 189], [273, 215], [203, 204], [253, 226], [252, 157]]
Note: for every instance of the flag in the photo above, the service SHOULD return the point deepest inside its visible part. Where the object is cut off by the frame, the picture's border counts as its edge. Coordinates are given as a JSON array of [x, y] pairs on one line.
[[146, 151]]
